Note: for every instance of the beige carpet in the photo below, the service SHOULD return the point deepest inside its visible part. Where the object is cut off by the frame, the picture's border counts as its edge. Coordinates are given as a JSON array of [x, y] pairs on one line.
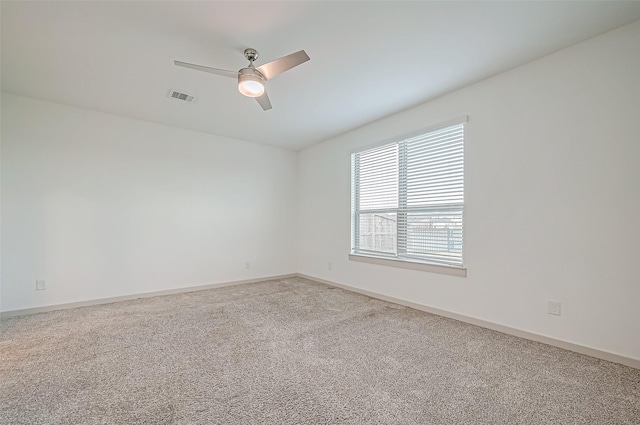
[[293, 352]]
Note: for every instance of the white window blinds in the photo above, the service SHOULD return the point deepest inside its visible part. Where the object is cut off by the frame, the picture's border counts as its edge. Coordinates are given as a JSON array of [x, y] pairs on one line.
[[408, 197]]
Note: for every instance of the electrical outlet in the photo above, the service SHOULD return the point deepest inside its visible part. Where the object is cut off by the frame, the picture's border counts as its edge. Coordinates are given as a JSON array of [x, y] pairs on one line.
[[554, 308], [41, 285], [247, 265]]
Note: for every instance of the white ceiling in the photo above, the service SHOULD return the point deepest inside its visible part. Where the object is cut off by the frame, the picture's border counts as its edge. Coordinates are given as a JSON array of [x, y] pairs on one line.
[[368, 59]]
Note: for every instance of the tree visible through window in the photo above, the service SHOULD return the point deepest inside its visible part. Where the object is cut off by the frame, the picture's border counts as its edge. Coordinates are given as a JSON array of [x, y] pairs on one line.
[[408, 197]]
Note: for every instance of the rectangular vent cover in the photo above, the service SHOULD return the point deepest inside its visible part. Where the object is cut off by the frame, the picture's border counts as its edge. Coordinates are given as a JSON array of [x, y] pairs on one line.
[[174, 94]]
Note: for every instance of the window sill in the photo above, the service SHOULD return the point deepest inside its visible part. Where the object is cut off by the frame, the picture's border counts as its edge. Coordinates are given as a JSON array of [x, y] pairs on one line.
[[448, 270]]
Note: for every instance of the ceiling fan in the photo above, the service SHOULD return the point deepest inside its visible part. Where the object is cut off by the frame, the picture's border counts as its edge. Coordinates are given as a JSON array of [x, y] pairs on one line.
[[251, 79]]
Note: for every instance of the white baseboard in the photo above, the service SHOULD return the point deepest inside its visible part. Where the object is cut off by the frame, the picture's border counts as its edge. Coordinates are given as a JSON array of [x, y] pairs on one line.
[[44, 309], [589, 351]]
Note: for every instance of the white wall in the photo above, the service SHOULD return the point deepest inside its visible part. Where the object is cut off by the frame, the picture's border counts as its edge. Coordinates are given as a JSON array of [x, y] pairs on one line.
[[102, 206], [552, 198]]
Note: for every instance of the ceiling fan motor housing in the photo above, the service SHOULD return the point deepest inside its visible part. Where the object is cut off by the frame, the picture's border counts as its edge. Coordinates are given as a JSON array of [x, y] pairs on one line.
[[250, 82]]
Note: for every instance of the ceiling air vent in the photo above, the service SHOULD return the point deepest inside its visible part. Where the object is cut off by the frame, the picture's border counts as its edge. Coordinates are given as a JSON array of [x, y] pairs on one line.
[[174, 94]]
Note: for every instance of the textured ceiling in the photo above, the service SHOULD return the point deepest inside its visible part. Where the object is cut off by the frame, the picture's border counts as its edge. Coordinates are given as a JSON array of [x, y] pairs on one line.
[[368, 59]]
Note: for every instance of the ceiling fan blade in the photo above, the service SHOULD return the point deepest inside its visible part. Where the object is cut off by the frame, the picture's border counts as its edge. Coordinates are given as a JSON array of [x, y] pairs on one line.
[[285, 63], [264, 101], [223, 72]]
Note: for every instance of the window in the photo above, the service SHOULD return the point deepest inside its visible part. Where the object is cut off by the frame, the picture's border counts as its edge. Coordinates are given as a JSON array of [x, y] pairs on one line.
[[407, 198]]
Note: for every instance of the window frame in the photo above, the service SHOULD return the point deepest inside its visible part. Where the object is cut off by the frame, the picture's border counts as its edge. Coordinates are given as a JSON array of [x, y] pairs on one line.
[[394, 259]]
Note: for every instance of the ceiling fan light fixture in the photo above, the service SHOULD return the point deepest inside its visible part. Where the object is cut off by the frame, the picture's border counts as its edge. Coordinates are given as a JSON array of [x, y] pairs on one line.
[[250, 82]]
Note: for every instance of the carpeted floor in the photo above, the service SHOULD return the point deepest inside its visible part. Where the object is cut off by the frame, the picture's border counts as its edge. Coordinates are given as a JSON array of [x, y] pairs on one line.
[[293, 352]]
